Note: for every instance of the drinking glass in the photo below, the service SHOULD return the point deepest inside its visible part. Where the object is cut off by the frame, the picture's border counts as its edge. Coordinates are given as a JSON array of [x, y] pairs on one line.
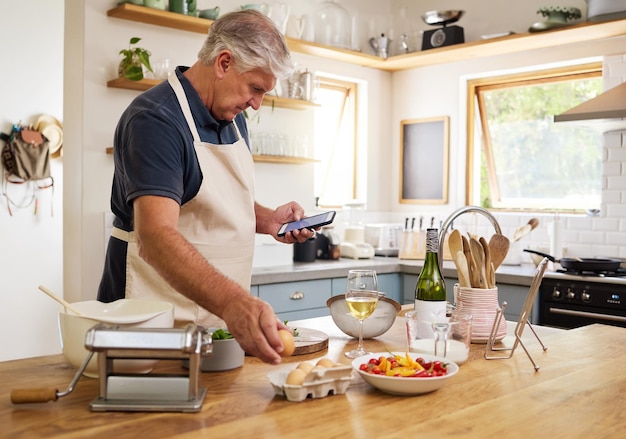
[[361, 300]]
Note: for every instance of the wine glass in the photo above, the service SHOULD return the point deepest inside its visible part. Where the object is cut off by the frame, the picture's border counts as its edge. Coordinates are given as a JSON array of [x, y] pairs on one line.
[[361, 300]]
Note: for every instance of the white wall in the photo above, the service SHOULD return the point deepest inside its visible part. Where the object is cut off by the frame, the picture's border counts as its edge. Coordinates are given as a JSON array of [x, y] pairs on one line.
[[31, 245]]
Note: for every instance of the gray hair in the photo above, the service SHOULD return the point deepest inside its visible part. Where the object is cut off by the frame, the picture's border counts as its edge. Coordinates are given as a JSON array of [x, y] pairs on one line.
[[253, 39]]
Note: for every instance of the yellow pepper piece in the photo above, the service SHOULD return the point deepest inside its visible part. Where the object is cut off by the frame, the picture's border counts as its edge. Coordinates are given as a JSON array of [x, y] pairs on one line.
[[383, 364], [402, 371], [402, 361], [412, 363]]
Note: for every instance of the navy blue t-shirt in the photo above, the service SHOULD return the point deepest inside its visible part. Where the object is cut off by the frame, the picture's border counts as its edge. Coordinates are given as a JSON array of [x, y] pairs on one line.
[[154, 155]]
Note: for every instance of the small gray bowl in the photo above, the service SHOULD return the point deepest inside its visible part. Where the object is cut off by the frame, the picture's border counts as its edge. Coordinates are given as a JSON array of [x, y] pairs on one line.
[[226, 354], [377, 324]]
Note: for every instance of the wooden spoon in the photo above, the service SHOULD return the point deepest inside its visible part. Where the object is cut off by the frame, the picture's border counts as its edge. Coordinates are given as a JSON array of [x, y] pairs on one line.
[[479, 257], [462, 269], [487, 262], [498, 248], [62, 301], [455, 242], [471, 264]]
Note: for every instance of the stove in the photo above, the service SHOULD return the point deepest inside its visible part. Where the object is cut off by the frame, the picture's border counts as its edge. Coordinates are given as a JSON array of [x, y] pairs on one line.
[[571, 299]]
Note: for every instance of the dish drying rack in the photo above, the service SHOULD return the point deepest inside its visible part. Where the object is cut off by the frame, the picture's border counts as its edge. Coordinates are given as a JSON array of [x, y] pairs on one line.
[[522, 323]]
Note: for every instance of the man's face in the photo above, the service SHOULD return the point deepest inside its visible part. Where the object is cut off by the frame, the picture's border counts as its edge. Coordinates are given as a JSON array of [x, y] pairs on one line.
[[238, 91]]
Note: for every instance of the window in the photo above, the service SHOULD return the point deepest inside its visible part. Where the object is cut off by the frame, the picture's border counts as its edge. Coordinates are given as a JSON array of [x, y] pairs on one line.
[[335, 143], [518, 158]]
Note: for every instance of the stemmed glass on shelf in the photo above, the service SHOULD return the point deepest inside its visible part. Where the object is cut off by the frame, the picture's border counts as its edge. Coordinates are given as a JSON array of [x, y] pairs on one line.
[[361, 300]]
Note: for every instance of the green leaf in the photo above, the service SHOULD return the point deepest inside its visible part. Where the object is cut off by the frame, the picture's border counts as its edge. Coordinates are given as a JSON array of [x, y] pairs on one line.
[[221, 334], [134, 73], [144, 57], [134, 40]]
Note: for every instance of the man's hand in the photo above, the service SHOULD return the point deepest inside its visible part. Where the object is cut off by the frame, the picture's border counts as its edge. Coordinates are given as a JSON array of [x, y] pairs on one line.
[[255, 326], [269, 221]]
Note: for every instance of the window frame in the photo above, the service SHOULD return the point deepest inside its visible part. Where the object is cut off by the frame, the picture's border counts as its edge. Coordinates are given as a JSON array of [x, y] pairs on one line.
[[580, 71], [351, 88]]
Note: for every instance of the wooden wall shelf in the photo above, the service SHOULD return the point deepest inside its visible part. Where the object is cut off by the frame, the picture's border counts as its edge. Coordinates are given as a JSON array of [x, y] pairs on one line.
[[268, 100], [283, 159], [578, 33]]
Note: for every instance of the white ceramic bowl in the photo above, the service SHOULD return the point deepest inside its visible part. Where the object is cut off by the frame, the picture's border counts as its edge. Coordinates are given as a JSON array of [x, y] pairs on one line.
[[125, 312], [401, 385], [226, 354], [377, 324]]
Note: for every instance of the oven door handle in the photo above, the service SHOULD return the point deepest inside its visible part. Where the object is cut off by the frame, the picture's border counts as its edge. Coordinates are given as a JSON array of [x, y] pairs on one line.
[[595, 315]]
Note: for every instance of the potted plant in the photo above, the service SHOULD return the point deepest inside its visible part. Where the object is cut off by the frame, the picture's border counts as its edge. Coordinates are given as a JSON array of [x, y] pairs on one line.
[[133, 61]]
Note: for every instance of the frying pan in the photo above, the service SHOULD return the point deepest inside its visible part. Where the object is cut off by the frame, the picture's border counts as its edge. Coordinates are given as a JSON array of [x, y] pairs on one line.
[[582, 264]]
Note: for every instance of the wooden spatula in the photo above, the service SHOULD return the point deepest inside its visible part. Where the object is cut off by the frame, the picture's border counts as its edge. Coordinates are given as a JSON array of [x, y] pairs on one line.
[[462, 269], [474, 277], [488, 264], [498, 249], [479, 257]]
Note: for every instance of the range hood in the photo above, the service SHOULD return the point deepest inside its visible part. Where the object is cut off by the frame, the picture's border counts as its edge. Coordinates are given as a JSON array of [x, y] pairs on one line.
[[606, 112]]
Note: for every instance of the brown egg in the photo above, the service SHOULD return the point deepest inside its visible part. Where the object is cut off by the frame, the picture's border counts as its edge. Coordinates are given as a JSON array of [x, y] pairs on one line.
[[325, 362], [288, 343], [306, 367], [296, 377]]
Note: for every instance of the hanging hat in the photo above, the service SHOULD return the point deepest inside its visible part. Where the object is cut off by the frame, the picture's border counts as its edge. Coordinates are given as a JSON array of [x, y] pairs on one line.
[[52, 129]]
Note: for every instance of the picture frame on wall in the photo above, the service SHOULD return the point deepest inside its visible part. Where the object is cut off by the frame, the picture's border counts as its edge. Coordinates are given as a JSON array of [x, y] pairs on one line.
[[424, 167]]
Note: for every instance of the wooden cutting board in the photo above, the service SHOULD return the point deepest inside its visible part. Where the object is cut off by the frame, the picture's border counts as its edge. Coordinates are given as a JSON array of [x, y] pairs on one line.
[[309, 340]]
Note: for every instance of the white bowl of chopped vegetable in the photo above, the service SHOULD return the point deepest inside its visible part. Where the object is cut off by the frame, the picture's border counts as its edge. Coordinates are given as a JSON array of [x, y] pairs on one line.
[[406, 374], [226, 354]]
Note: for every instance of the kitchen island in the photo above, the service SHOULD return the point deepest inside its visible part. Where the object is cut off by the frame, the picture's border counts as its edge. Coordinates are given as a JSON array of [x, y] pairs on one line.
[[578, 392]]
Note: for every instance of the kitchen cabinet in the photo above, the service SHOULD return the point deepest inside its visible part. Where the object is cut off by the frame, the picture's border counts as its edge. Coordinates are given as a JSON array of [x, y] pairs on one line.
[[389, 283], [515, 296], [578, 33], [297, 300]]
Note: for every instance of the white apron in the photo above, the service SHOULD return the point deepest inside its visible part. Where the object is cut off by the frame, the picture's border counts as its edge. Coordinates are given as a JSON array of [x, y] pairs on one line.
[[219, 221]]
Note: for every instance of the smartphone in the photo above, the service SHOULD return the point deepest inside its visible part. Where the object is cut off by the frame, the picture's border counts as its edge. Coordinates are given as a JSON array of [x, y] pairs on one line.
[[311, 222]]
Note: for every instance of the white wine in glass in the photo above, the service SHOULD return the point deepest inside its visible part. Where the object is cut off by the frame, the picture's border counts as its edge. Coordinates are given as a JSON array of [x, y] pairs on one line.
[[361, 300]]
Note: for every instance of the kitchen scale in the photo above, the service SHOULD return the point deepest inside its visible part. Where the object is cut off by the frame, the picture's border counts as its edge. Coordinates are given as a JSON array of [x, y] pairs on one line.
[[179, 392], [446, 35]]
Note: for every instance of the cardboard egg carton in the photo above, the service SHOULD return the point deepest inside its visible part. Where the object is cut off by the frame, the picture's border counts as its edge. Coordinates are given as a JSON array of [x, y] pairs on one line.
[[318, 383]]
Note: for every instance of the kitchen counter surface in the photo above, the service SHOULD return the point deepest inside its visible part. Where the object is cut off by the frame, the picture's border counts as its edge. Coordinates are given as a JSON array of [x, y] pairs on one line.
[[321, 269], [578, 392]]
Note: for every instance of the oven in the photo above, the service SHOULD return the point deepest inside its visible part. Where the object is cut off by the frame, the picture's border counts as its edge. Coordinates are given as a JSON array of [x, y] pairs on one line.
[[570, 301]]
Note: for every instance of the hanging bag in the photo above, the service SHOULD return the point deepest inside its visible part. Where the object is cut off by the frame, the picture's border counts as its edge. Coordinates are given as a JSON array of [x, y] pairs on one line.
[[26, 159]]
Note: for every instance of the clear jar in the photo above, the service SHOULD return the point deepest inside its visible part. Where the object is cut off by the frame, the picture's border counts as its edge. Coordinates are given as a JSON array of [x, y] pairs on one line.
[[333, 25]]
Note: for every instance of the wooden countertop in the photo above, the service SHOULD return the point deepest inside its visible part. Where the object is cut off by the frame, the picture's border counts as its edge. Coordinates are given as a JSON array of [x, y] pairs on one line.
[[578, 392]]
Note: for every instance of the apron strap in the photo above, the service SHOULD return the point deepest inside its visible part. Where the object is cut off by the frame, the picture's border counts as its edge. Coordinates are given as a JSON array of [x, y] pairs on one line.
[[172, 78]]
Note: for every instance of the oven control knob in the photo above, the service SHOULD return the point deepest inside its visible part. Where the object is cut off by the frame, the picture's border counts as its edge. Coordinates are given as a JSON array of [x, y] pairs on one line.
[[570, 294], [556, 293], [585, 296]]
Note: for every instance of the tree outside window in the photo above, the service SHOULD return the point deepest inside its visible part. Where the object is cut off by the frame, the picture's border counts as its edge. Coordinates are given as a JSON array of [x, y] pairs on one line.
[[524, 160]]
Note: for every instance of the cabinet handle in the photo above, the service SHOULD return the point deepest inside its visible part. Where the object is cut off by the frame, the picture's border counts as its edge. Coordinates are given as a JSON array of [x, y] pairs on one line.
[[296, 295]]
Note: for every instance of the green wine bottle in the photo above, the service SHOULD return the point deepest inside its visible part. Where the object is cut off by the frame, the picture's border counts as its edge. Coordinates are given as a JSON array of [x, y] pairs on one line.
[[430, 291]]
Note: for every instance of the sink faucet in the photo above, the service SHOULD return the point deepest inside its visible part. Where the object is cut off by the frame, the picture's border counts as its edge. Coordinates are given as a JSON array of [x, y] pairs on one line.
[[465, 209]]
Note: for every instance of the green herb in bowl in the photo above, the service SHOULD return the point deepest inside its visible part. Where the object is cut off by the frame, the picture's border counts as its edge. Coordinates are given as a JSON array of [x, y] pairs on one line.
[[221, 334]]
